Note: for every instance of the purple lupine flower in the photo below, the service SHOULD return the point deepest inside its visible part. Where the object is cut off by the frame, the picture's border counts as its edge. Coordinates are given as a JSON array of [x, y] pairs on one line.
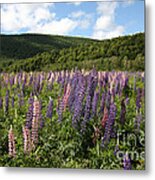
[[116, 85], [138, 121], [108, 99], [7, 101], [29, 115], [49, 76], [123, 112], [71, 98], [94, 103], [41, 86], [127, 162], [21, 99], [49, 109], [12, 81], [109, 125], [102, 103], [92, 83], [80, 93], [126, 82], [138, 99], [30, 80], [60, 110]]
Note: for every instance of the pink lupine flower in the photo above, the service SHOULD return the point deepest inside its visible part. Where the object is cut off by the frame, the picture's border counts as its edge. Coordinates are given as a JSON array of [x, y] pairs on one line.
[[27, 140], [11, 140], [105, 117], [66, 96], [35, 121]]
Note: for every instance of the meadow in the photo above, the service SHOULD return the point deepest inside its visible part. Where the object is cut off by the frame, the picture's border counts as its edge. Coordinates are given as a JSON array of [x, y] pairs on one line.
[[72, 119]]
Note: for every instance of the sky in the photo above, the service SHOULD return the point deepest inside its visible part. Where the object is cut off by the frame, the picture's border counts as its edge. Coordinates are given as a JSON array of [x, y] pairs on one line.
[[97, 20]]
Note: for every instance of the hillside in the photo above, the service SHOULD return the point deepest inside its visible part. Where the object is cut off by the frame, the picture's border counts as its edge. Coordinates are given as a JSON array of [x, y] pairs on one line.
[[31, 52], [27, 45]]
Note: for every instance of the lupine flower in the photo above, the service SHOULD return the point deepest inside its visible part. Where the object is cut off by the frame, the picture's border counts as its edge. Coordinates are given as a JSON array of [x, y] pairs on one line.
[[11, 80], [35, 121], [109, 125], [60, 110], [29, 115], [27, 140], [71, 98], [92, 83], [96, 134], [7, 101], [66, 95], [105, 117], [138, 121], [94, 103], [80, 93], [123, 112], [127, 162], [30, 80], [11, 139], [49, 109], [138, 99], [102, 103], [21, 99]]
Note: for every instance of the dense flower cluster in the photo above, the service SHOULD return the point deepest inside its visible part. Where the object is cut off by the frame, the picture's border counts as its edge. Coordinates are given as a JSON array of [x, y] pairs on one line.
[[93, 104]]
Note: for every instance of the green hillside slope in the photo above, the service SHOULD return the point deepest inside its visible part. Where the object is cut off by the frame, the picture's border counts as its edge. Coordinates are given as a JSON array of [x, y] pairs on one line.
[[30, 52]]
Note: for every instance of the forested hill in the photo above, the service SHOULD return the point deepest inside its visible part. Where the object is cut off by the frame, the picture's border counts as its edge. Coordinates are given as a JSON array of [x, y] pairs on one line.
[[28, 45], [36, 52]]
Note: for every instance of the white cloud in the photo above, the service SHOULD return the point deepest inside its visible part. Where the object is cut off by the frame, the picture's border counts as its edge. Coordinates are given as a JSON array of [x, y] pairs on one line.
[[77, 14], [104, 22], [105, 26], [40, 18], [15, 17], [62, 26], [106, 8], [82, 18]]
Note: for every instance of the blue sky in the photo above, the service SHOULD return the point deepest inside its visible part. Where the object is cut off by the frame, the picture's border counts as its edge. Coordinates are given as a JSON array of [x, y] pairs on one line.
[[99, 20]]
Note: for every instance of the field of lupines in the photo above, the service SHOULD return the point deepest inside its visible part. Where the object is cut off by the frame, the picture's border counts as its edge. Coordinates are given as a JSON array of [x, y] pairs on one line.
[[72, 119]]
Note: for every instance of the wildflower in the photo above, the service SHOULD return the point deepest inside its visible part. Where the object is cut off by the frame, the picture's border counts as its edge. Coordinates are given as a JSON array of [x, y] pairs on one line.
[[11, 139], [80, 93], [105, 117], [29, 115], [127, 162], [7, 101], [35, 121], [94, 103], [27, 140], [109, 125], [49, 109]]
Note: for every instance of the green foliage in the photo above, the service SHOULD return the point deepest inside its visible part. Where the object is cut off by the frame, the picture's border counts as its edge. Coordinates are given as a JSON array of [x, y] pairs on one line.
[[34, 52]]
